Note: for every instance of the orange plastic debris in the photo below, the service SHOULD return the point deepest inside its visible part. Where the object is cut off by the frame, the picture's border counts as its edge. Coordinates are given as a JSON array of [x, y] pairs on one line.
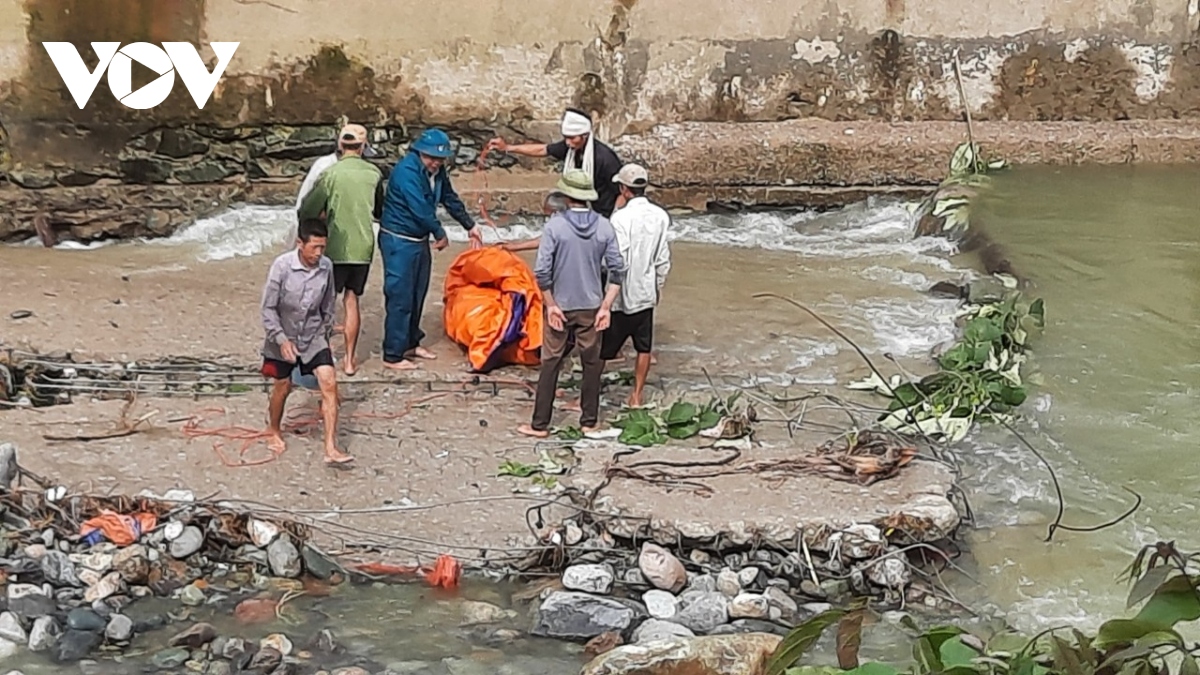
[[445, 573], [493, 308], [120, 529]]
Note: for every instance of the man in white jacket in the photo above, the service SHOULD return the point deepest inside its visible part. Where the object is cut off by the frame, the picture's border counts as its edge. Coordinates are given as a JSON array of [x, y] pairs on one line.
[[641, 228]]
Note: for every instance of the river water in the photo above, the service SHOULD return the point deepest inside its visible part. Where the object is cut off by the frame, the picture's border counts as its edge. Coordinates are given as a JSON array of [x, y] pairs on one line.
[[1109, 250]]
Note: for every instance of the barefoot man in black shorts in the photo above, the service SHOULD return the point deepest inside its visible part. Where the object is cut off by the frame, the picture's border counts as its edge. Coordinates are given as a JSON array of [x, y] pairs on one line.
[[641, 228], [297, 314]]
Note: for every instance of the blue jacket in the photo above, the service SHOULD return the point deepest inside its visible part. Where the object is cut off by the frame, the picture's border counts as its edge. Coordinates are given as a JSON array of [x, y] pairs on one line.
[[410, 204]]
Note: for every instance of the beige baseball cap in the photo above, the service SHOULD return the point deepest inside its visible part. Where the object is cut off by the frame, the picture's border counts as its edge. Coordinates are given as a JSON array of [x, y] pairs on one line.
[[356, 134], [633, 175]]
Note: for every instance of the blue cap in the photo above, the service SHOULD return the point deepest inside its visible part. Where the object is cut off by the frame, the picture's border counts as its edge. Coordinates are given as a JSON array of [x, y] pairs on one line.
[[434, 142]]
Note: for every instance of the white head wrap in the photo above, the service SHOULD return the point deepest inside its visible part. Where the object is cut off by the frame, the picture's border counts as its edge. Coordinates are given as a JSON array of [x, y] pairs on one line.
[[574, 124]]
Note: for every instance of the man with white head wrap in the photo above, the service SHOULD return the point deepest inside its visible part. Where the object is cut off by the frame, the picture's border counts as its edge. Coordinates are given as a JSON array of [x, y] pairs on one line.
[[578, 149]]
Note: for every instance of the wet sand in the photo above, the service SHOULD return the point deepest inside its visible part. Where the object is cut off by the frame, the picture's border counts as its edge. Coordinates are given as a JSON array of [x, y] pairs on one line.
[[147, 303]]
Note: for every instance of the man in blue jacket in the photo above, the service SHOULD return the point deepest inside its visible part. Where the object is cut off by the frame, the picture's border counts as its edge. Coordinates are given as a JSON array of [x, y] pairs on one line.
[[416, 186]]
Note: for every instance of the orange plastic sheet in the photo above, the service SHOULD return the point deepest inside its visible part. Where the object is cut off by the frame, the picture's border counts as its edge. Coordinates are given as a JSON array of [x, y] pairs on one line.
[[120, 529], [493, 309], [445, 573]]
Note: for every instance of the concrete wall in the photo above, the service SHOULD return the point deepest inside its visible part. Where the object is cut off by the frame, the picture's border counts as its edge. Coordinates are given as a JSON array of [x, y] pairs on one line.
[[489, 66]]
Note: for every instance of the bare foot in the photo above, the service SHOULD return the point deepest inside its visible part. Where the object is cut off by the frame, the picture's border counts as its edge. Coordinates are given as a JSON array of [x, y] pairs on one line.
[[573, 406], [333, 456], [423, 353], [403, 364], [339, 328], [350, 368], [589, 430], [635, 401], [276, 444], [527, 430]]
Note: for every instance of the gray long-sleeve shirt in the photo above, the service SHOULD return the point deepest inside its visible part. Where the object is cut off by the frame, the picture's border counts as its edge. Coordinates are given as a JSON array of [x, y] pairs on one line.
[[298, 305], [575, 246]]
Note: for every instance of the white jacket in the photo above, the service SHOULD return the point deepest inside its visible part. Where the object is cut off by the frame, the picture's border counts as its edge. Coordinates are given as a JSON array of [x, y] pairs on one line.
[[641, 228], [314, 174]]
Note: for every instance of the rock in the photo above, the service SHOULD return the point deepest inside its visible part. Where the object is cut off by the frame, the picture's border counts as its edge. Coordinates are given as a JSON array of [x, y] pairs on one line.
[[29, 602], [284, 558], [572, 534], [656, 629], [701, 611], [85, 620], [264, 660], [660, 604], [132, 563], [712, 655], [8, 649], [195, 637], [191, 595], [596, 579], [833, 589], [75, 645], [602, 643], [170, 658], [890, 573], [35, 551], [780, 600], [180, 143], [145, 170], [578, 616], [706, 583], [661, 569], [172, 530], [190, 540], [219, 668], [98, 562], [748, 576], [814, 608], [742, 626], [277, 641], [107, 586], [318, 564], [11, 629], [728, 583], [351, 670], [634, 578], [860, 541], [119, 628], [231, 649], [475, 613], [750, 606], [59, 570], [44, 633], [32, 179], [206, 171]]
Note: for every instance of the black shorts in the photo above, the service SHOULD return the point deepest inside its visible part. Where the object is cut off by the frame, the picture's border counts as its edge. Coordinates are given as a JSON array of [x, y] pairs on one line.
[[350, 277], [282, 370], [639, 326]]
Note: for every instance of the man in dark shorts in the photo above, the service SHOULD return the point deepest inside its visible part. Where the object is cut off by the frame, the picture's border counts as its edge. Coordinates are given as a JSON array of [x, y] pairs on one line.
[[350, 194], [641, 228], [298, 306]]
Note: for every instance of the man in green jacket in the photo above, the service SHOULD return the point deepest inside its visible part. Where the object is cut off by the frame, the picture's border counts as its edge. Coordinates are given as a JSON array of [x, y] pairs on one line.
[[350, 193]]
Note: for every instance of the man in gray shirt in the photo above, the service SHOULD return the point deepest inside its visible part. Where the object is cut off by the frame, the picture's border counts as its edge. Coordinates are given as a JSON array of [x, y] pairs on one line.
[[576, 245], [297, 314]]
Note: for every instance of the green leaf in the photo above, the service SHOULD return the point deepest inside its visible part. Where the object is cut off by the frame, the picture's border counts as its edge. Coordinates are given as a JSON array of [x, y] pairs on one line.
[[963, 160], [799, 640], [709, 419], [682, 431], [1037, 310], [1150, 581], [681, 412], [907, 394], [1188, 665], [872, 668], [954, 652], [1013, 396], [982, 329], [1118, 632], [1174, 601], [1067, 657], [238, 388]]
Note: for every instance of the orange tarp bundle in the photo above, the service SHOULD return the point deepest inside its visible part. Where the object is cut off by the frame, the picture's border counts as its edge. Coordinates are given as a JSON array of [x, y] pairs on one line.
[[120, 529], [493, 308]]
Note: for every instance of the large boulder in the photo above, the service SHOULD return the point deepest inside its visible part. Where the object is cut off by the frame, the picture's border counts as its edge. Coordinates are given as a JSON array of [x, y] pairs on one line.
[[579, 616], [710, 655]]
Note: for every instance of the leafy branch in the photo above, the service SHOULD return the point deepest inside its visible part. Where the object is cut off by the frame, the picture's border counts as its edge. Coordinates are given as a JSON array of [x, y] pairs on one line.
[[682, 420], [1147, 644]]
